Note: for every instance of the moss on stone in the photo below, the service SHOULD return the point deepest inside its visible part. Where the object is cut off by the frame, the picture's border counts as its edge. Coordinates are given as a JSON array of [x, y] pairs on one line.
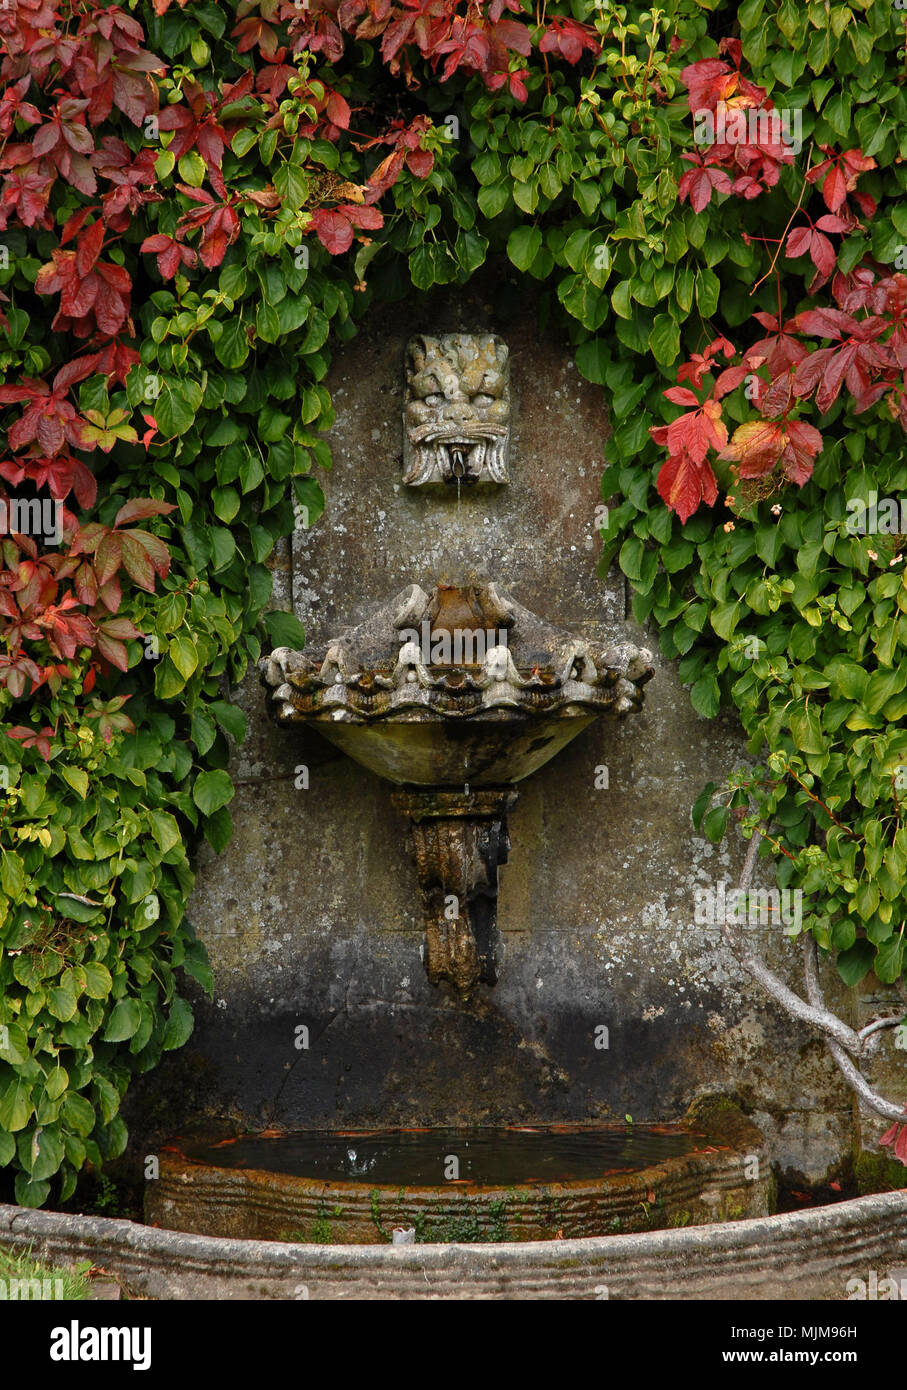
[[875, 1172]]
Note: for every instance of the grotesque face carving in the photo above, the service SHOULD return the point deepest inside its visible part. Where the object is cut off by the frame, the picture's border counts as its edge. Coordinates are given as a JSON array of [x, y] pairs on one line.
[[457, 413]]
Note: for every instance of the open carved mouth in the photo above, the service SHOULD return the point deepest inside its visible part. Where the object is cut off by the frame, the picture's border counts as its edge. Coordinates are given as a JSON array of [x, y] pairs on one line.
[[461, 460]]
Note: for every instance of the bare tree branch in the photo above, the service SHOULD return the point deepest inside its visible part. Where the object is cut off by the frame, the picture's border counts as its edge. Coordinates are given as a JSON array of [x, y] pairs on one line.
[[851, 1073], [839, 1038], [825, 1022]]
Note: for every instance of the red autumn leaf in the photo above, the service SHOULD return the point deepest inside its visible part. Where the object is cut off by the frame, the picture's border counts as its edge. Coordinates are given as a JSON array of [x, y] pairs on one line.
[[114, 652], [123, 629], [683, 484], [334, 226], [895, 1138], [60, 474], [420, 163], [568, 38], [88, 247], [807, 241], [140, 508], [39, 739], [834, 189], [116, 360], [698, 183], [758, 445], [384, 176], [74, 224], [803, 444], [710, 81], [839, 174], [337, 110], [779, 351], [855, 360], [778, 397], [108, 557], [516, 36], [686, 479], [681, 395], [729, 380], [195, 125], [254, 32], [155, 549], [171, 254], [86, 584], [826, 323], [112, 634], [829, 223], [48, 419], [136, 562], [702, 362]]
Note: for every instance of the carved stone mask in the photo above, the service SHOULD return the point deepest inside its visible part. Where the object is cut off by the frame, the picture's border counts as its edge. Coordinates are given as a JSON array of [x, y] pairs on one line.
[[457, 411]]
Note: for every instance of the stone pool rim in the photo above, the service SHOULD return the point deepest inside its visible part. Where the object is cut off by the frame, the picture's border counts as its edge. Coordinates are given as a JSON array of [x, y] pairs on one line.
[[801, 1255], [705, 1184]]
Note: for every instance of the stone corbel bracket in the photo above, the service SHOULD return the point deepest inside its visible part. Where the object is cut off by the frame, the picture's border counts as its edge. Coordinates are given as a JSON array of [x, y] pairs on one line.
[[458, 840]]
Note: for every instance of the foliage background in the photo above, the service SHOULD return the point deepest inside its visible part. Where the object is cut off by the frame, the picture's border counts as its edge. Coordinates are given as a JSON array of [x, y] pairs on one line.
[[198, 203]]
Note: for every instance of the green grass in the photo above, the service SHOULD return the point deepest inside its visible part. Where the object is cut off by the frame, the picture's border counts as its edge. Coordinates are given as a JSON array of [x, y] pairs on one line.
[[25, 1278]]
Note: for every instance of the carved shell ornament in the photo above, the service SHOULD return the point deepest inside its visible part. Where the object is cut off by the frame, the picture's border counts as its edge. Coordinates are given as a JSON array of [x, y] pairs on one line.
[[374, 669]]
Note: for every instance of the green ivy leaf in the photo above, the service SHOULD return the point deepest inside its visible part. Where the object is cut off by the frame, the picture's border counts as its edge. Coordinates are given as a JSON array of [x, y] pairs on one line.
[[664, 339], [124, 1020], [523, 245], [854, 964], [284, 630], [715, 823], [218, 830], [212, 790], [232, 347], [184, 655], [230, 717], [179, 1025]]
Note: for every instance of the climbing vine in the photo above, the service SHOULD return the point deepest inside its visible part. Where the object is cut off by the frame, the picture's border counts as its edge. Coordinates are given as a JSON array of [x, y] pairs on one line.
[[198, 202]]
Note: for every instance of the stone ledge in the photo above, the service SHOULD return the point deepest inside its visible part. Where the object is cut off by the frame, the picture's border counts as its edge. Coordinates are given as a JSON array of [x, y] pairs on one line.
[[798, 1256]]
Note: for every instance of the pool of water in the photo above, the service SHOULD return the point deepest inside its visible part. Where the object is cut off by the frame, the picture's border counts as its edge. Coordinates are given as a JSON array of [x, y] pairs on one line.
[[429, 1157]]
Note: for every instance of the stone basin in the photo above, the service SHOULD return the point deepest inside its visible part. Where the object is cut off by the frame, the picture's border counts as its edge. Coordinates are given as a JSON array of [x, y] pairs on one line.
[[520, 1183], [491, 749], [460, 685], [455, 695]]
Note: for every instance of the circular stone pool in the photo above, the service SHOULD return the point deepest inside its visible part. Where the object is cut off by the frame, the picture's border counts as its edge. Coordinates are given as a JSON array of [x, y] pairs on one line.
[[514, 1183]]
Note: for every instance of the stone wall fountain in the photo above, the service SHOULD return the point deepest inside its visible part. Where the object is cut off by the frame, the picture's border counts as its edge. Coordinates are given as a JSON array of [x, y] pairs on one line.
[[455, 693]]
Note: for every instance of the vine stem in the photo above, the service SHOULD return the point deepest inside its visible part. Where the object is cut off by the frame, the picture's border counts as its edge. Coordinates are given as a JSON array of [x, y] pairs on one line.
[[831, 816], [771, 268]]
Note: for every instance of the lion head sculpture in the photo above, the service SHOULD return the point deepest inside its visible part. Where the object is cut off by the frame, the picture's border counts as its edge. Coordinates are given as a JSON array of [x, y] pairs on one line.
[[457, 410]]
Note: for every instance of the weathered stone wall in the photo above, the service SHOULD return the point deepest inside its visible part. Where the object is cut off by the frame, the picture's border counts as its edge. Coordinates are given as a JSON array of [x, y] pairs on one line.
[[312, 915]]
